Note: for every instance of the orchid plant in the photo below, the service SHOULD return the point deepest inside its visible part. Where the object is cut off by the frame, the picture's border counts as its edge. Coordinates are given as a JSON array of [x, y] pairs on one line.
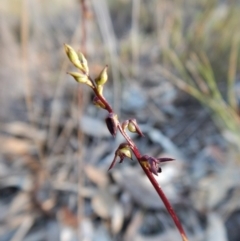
[[149, 164]]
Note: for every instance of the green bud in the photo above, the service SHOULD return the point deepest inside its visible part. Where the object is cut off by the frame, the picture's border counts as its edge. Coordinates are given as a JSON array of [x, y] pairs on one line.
[[73, 56], [84, 63], [103, 76], [77, 59], [81, 78]]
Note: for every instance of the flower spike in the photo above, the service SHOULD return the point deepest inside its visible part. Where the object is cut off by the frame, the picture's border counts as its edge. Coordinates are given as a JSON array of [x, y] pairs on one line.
[[150, 165]]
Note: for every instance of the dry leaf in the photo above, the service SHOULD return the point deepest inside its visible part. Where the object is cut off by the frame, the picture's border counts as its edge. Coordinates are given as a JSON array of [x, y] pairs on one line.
[[68, 218], [117, 218], [103, 203], [138, 186], [96, 175], [25, 130], [15, 146]]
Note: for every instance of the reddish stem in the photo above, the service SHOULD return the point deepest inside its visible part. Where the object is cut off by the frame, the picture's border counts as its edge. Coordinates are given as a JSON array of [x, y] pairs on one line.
[[104, 101], [165, 201], [160, 192], [147, 172]]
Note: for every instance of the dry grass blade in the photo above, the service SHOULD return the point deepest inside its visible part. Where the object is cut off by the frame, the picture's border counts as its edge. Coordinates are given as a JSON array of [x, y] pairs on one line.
[[190, 66], [134, 35], [26, 224], [25, 63], [232, 69]]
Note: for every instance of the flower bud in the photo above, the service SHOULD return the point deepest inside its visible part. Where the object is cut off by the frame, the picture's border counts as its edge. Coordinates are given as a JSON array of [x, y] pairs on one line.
[[103, 76], [77, 59], [112, 122], [97, 102], [73, 56], [81, 78], [84, 63]]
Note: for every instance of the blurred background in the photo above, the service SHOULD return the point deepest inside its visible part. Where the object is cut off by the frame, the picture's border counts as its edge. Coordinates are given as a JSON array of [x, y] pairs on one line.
[[173, 65]]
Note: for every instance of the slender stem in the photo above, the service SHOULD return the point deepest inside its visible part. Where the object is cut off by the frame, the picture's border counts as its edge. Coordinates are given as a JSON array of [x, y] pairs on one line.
[[129, 140], [157, 187], [165, 201], [147, 172], [104, 101]]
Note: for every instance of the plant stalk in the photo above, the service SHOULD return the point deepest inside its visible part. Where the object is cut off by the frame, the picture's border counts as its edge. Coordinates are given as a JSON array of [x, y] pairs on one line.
[[147, 172]]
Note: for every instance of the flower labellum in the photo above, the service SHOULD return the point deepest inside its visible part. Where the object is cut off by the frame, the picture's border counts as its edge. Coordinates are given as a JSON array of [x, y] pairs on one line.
[[124, 151], [112, 122], [133, 127]]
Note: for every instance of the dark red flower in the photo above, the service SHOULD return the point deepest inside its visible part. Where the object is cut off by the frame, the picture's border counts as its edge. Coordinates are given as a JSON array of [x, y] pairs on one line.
[[153, 163]]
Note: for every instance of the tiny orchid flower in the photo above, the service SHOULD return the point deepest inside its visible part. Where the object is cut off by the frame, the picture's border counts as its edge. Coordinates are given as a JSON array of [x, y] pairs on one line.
[[152, 163], [123, 151], [132, 126]]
